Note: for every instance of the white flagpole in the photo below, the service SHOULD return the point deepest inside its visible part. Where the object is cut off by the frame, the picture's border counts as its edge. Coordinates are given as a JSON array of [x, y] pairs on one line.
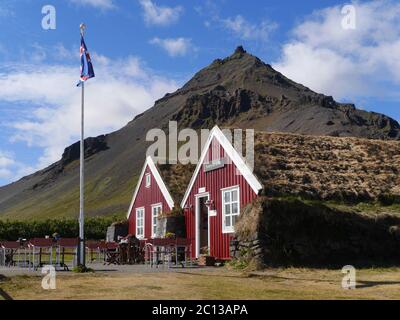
[[81, 259]]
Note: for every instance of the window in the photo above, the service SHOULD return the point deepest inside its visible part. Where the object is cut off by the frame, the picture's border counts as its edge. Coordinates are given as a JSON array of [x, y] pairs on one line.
[[140, 223], [230, 209], [148, 180], [155, 212]]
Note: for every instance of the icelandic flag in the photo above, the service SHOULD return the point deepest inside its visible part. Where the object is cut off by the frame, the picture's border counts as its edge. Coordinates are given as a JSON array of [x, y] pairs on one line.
[[87, 71]]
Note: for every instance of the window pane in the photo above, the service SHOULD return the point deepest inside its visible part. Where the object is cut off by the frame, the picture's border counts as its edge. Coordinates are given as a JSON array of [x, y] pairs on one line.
[[227, 209], [234, 195], [235, 208], [234, 219], [227, 197], [227, 221]]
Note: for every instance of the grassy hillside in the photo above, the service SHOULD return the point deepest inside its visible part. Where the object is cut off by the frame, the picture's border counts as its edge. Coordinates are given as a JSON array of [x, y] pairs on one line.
[[102, 198]]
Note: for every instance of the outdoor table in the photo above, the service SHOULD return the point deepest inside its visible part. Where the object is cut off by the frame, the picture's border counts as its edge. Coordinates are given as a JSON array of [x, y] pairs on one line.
[[162, 250]]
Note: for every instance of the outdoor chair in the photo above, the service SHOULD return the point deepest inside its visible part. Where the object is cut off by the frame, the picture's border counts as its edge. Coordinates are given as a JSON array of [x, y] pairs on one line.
[[135, 251], [112, 254], [11, 250]]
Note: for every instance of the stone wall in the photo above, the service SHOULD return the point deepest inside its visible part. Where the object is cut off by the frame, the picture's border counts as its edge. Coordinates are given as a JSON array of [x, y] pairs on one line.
[[292, 232]]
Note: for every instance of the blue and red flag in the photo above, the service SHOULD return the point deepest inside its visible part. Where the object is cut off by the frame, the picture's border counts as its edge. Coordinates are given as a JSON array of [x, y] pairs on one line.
[[87, 71]]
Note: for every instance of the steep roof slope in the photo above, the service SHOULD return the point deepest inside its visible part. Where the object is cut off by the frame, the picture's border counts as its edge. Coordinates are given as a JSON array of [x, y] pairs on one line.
[[327, 168]]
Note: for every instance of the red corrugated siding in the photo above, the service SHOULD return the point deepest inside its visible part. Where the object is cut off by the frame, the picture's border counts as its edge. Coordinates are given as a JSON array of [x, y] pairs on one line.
[[145, 198], [213, 182]]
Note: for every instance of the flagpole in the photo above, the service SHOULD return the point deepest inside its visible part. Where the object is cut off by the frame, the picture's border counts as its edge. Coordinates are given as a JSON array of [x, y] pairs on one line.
[[81, 250]]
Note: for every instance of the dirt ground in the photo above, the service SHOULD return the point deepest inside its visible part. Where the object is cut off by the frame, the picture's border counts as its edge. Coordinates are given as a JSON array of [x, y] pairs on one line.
[[216, 283]]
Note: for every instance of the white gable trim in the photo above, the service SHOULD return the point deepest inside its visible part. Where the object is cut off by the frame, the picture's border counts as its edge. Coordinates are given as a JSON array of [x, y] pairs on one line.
[[160, 182], [233, 155]]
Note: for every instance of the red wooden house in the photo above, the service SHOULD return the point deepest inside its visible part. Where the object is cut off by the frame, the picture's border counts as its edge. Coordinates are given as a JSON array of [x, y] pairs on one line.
[[151, 197], [220, 186], [159, 190]]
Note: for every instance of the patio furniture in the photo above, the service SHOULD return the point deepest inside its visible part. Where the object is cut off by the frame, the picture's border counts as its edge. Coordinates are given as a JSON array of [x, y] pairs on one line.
[[14, 253], [112, 254], [168, 251], [135, 250]]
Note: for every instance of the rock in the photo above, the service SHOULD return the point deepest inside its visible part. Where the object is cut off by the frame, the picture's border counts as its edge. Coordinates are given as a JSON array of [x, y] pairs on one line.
[[92, 146], [240, 50]]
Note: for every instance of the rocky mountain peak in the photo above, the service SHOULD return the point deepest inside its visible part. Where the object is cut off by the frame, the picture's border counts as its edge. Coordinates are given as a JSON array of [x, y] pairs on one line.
[[240, 50]]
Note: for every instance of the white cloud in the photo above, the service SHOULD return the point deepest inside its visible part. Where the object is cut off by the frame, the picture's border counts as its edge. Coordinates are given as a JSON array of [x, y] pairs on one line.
[[347, 63], [11, 169], [160, 15], [245, 30], [120, 90], [7, 162], [100, 4], [6, 159], [6, 9], [174, 47]]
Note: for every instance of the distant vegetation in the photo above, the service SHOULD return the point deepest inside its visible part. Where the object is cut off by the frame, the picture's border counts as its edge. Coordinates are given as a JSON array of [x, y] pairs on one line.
[[95, 228]]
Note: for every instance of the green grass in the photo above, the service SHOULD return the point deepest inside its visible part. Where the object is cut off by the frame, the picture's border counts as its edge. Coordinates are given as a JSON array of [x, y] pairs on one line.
[[367, 208]]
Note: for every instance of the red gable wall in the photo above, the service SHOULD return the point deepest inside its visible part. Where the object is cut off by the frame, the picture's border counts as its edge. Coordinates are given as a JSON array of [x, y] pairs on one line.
[[214, 181], [146, 197]]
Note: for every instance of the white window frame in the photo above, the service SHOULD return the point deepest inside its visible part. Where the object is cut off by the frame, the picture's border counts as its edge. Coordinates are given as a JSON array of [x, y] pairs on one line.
[[141, 209], [148, 180], [154, 206], [230, 229]]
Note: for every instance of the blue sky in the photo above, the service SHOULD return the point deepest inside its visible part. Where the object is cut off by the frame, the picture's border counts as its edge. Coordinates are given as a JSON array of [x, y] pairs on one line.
[[142, 49]]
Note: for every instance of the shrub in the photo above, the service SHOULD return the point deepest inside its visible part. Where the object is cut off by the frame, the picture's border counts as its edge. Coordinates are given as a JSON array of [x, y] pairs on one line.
[[95, 228]]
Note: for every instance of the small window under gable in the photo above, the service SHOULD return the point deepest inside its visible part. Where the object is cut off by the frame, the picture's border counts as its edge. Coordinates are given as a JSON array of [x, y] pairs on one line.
[[216, 151], [148, 180]]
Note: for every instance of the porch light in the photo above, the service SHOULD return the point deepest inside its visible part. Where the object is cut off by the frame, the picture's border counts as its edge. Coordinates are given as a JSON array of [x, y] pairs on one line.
[[210, 204]]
